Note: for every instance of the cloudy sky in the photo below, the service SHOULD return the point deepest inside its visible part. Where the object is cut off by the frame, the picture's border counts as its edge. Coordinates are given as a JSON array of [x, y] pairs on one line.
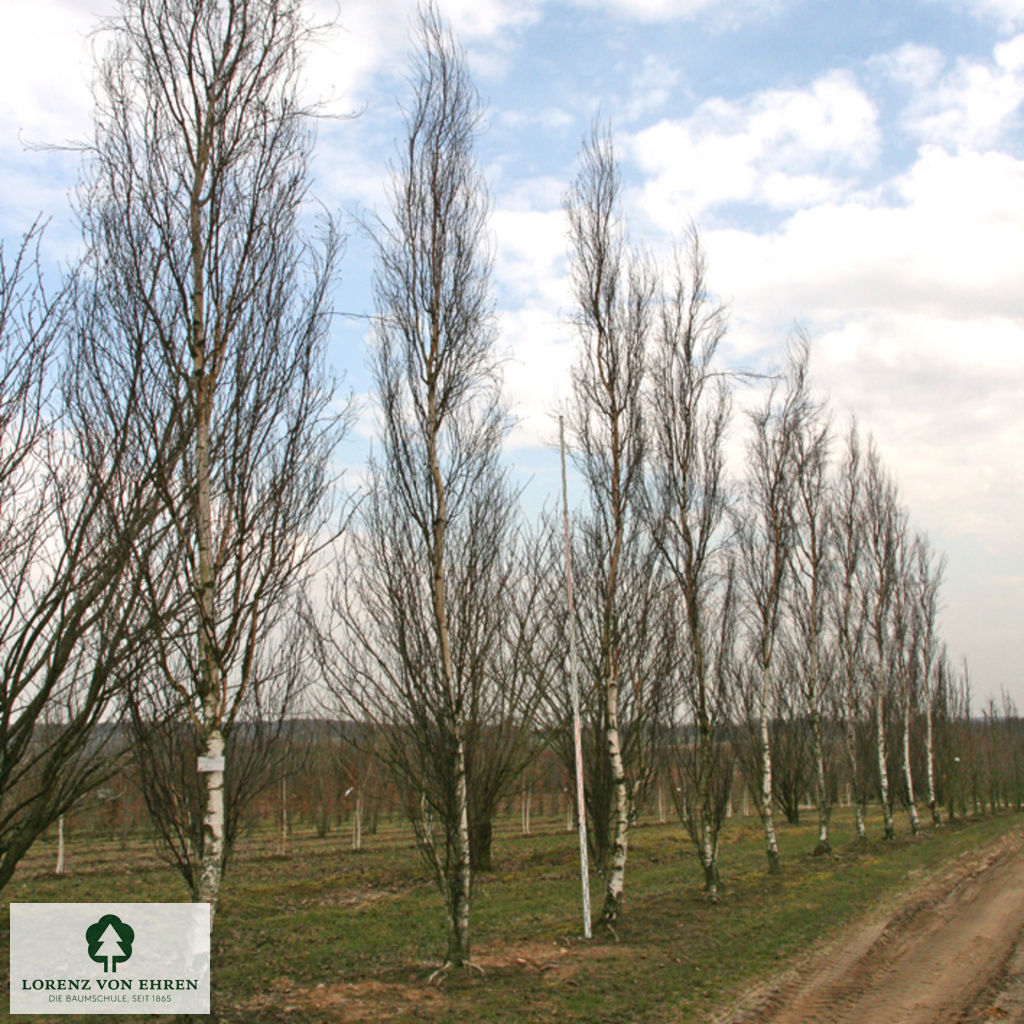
[[855, 169]]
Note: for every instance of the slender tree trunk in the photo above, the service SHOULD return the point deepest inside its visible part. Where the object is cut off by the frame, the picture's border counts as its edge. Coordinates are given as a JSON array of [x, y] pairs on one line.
[[767, 795], [620, 809], [283, 843], [824, 810], [933, 804], [705, 797], [883, 771], [211, 858], [458, 937], [59, 869], [860, 813], [709, 861], [460, 889], [357, 822], [908, 777], [850, 743]]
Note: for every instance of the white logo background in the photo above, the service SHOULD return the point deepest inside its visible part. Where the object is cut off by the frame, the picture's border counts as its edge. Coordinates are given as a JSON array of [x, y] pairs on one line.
[[172, 944]]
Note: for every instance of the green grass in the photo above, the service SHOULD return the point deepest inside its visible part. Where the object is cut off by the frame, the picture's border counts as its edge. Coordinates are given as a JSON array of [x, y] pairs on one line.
[[301, 936]]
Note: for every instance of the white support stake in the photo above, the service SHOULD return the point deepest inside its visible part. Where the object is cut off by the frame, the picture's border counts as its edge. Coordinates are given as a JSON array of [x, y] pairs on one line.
[[577, 732]]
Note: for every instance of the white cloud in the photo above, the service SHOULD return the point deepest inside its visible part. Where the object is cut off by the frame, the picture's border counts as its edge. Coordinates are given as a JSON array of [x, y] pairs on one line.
[[650, 88], [1006, 13], [913, 65], [531, 247], [46, 100], [541, 348], [549, 118], [949, 246], [973, 105], [374, 37], [765, 148], [917, 317], [726, 12]]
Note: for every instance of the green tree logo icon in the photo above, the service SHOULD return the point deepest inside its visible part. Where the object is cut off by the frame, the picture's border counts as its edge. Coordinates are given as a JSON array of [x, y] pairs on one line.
[[110, 941]]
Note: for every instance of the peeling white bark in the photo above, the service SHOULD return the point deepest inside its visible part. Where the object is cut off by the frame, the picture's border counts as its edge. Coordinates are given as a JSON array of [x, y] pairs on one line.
[[59, 869], [357, 822], [883, 771], [908, 778], [767, 811], [212, 857], [620, 809]]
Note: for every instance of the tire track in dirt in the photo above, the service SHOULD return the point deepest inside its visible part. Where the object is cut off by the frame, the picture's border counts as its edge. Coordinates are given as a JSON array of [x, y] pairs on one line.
[[938, 958]]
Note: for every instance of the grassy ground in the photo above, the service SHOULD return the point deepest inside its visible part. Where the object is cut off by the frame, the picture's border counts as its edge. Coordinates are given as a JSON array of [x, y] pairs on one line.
[[326, 934]]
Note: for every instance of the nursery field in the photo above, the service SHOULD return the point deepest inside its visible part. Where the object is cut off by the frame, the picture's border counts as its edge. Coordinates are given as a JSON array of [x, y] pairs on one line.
[[324, 933]]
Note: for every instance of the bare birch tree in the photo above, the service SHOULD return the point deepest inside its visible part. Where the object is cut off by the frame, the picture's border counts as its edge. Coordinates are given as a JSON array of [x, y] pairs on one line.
[[191, 206], [929, 571], [848, 617], [905, 652], [813, 566], [426, 598], [685, 503], [883, 526], [766, 540], [613, 290]]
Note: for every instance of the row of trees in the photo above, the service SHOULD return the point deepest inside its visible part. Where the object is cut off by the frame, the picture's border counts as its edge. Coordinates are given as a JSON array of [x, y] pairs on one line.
[[170, 521], [719, 618]]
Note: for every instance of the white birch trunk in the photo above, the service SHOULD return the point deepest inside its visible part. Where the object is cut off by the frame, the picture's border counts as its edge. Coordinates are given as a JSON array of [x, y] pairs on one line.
[[458, 940], [771, 843], [862, 828], [853, 790], [460, 886], [908, 778], [620, 808], [883, 771], [357, 822], [212, 855], [823, 847], [709, 861], [59, 869], [933, 804], [525, 800], [283, 842]]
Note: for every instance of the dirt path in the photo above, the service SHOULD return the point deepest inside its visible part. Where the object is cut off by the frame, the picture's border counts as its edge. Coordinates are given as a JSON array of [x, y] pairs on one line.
[[952, 952]]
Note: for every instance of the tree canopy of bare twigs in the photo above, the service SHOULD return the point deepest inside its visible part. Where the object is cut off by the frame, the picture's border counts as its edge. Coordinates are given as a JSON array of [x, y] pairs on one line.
[[685, 504], [72, 513]]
